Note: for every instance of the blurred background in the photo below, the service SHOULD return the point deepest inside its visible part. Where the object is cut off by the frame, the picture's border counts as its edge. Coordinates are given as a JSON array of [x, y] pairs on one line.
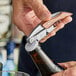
[[10, 38]]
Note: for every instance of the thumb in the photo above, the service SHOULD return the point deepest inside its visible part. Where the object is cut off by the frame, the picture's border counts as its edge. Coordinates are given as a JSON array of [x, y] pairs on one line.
[[41, 11], [58, 74], [68, 64]]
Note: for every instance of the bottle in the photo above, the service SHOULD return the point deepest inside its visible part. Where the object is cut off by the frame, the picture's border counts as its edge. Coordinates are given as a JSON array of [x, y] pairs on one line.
[[44, 64], [10, 65]]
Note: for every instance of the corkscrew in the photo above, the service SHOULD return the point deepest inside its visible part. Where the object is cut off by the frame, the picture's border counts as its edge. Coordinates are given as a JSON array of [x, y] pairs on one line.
[[32, 46]]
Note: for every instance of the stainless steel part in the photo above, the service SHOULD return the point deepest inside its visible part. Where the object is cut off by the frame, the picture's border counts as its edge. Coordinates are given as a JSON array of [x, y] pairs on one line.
[[40, 32]]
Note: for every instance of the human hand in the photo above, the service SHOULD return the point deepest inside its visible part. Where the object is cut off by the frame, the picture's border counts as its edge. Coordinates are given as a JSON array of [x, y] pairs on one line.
[[27, 14], [70, 69]]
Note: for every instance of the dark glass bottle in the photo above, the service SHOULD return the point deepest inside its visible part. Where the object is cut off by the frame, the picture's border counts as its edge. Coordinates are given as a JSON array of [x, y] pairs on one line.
[[44, 64]]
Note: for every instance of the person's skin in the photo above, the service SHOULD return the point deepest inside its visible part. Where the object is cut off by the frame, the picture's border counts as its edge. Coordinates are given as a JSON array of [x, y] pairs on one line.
[[28, 13], [70, 69]]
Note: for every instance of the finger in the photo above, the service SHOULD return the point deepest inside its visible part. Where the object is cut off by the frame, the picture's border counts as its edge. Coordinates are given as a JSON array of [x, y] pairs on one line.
[[68, 64], [68, 72], [17, 6], [17, 10], [62, 23], [58, 74], [57, 18], [40, 10], [48, 36], [67, 20], [31, 17], [58, 26]]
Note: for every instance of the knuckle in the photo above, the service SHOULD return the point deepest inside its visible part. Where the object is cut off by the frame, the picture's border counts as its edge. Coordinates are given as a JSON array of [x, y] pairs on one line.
[[61, 26], [53, 33]]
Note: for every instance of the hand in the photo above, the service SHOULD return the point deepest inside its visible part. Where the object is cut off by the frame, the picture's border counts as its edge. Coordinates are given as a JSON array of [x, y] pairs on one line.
[[27, 14], [70, 69]]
